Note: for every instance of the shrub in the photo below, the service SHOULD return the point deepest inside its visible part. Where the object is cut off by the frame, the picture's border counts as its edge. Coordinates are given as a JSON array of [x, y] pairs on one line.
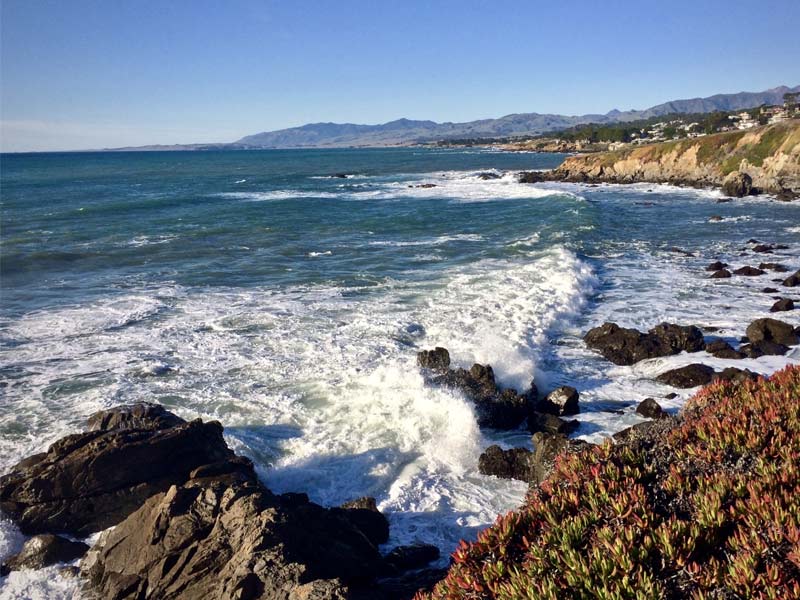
[[706, 508]]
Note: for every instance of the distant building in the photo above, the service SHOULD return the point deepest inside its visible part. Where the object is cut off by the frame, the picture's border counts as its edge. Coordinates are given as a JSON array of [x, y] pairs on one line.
[[743, 120]]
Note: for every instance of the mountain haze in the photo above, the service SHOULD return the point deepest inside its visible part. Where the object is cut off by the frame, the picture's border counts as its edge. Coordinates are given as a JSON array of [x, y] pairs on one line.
[[405, 131]]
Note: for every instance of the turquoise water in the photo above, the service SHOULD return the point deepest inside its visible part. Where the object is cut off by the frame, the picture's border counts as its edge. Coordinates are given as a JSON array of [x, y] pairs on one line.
[[258, 289]]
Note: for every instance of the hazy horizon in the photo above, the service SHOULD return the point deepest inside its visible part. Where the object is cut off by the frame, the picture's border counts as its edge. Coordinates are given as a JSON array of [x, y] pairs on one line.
[[92, 75]]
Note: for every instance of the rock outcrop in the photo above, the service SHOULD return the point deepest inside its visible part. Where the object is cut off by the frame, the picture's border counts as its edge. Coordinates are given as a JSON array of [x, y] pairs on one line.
[[42, 551], [763, 159], [628, 346], [771, 330], [688, 376]]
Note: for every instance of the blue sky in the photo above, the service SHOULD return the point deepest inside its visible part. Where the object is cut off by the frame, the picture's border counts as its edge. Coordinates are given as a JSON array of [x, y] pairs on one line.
[[89, 74]]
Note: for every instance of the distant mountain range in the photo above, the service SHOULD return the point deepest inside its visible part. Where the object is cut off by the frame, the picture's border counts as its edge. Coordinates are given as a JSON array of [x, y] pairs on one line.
[[408, 132]]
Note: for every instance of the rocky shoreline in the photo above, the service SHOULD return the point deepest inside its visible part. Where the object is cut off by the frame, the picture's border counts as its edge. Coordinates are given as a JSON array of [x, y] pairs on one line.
[[764, 160]]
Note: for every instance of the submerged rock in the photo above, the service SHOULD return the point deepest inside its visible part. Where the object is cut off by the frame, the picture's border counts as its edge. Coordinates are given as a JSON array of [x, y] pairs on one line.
[[771, 266], [749, 271], [688, 376], [721, 274], [42, 551], [628, 346]]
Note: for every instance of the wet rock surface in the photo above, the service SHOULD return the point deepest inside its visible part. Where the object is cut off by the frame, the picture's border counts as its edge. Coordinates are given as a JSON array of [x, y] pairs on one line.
[[688, 376], [628, 346], [42, 551], [772, 330]]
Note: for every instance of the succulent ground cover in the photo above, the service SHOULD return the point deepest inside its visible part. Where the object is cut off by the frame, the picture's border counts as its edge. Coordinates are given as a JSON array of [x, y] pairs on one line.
[[707, 506]]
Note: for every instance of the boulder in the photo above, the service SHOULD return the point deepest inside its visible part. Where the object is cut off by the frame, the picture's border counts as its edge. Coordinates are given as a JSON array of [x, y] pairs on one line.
[[415, 556], [437, 359], [688, 376], [515, 463], [650, 409], [771, 330], [722, 349], [737, 184], [547, 446], [230, 539], [364, 515], [763, 248], [721, 274], [793, 280], [561, 401], [782, 305], [90, 481], [42, 551], [628, 346], [771, 266], [764, 348], [716, 266], [749, 271], [769, 290], [530, 177], [550, 424], [736, 375]]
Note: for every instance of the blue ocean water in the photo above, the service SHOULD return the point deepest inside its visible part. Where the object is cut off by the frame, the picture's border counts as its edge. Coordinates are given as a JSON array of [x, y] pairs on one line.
[[261, 289]]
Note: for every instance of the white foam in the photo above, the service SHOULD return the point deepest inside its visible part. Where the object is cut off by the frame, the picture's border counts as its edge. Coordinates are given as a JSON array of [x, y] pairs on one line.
[[322, 253]]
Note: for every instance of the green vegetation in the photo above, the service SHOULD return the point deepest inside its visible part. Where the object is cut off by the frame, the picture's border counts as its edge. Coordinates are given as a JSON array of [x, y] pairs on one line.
[[707, 509]]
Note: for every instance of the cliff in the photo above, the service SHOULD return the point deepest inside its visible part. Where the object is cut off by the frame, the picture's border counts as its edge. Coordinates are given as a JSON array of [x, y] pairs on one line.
[[769, 156]]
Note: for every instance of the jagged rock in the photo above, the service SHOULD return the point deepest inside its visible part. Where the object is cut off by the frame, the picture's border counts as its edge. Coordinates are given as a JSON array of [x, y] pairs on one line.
[[415, 556], [736, 375], [722, 349], [516, 463], [793, 280], [628, 346], [771, 330], [496, 408], [721, 274], [437, 359], [688, 376], [782, 305], [650, 409], [561, 401], [777, 267], [737, 184], [530, 177], [230, 539], [749, 272], [550, 424], [716, 266], [143, 415], [89, 481], [364, 515], [42, 551]]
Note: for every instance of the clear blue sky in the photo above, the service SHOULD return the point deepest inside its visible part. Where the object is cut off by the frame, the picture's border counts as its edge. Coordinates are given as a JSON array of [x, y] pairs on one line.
[[87, 74]]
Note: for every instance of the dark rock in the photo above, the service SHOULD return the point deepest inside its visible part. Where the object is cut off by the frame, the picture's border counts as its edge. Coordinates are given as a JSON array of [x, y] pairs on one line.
[[752, 241], [364, 515], [488, 175], [406, 585], [551, 424], [561, 401], [764, 348], [670, 396], [516, 463], [437, 359], [650, 409], [340, 175], [777, 267], [143, 415], [763, 248], [530, 177], [214, 539], [716, 266], [793, 280], [90, 481], [677, 250], [710, 328], [771, 330], [424, 186], [749, 272], [628, 346], [737, 184], [688, 376], [42, 551], [735, 375], [769, 290], [721, 274], [547, 447], [416, 556], [722, 349], [782, 305]]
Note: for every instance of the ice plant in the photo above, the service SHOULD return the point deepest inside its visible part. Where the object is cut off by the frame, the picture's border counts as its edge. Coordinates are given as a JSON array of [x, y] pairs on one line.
[[708, 509]]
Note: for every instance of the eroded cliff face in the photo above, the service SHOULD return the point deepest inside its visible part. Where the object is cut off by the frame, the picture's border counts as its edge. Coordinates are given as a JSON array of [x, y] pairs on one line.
[[769, 155]]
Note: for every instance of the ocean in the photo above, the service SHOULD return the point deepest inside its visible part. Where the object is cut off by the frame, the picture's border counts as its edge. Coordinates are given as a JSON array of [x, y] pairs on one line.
[[286, 293]]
